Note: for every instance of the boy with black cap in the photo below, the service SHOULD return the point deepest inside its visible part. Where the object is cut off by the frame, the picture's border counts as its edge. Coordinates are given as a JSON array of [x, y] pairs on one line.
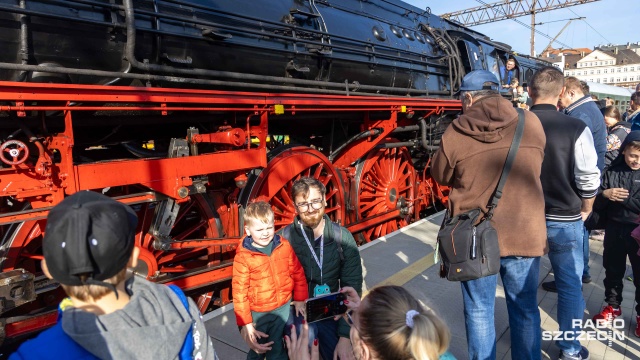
[[621, 187], [88, 246]]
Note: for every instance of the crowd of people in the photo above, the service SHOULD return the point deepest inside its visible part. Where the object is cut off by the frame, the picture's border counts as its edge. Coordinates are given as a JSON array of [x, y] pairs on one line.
[[572, 154], [89, 245]]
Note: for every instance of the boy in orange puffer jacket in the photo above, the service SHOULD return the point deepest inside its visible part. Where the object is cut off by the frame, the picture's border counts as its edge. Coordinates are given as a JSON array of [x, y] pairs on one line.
[[266, 272]]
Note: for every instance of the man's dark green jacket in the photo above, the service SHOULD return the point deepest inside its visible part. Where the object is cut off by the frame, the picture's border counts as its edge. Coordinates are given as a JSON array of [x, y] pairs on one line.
[[334, 274]]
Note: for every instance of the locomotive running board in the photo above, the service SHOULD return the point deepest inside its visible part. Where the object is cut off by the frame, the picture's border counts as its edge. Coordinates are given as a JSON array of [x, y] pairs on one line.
[[41, 213]]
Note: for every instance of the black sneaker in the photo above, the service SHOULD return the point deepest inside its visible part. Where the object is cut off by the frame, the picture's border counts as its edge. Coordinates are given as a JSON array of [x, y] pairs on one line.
[[582, 355], [550, 286], [586, 279]]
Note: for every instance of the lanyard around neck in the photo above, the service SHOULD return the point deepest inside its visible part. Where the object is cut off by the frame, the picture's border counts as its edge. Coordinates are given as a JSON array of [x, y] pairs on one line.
[[315, 257]]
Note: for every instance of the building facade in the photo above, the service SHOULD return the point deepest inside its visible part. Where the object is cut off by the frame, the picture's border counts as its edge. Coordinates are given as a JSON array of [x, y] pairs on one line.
[[617, 65]]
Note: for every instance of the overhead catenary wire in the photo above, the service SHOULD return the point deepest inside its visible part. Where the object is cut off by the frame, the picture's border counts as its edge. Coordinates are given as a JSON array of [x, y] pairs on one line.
[[529, 27], [589, 25]]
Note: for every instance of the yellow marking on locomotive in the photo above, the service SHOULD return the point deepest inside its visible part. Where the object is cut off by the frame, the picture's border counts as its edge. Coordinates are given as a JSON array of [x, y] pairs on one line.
[[284, 139], [278, 109]]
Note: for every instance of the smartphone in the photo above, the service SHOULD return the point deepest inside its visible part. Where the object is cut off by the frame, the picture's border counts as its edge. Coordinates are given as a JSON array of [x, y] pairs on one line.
[[325, 306]]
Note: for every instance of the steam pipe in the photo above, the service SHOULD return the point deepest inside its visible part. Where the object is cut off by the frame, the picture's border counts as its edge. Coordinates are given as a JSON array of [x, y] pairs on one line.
[[362, 135], [130, 56], [396, 145], [184, 80], [24, 41], [423, 137], [405, 128], [206, 23]]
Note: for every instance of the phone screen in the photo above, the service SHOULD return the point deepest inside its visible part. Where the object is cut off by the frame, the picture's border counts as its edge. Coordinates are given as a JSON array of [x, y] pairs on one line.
[[326, 306]]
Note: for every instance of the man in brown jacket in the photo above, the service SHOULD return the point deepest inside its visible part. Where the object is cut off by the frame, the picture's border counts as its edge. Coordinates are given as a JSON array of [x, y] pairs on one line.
[[472, 154]]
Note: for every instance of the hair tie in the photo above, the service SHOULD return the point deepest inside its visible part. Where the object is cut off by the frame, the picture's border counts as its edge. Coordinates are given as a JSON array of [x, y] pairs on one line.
[[409, 318]]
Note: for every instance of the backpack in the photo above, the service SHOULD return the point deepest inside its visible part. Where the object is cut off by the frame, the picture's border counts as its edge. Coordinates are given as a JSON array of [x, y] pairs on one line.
[[186, 352], [337, 235], [58, 341]]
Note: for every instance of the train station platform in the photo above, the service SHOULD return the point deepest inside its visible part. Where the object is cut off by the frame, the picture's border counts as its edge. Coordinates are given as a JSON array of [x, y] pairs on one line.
[[405, 258]]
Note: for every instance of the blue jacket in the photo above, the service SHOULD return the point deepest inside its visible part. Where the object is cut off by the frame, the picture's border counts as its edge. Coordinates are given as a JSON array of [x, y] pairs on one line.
[[634, 119], [586, 110], [53, 343], [507, 76]]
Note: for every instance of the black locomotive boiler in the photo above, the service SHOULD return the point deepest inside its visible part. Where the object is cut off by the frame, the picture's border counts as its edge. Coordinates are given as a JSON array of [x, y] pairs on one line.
[[321, 46]]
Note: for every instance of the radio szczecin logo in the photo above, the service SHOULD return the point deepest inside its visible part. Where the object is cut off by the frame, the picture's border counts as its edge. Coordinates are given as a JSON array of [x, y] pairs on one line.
[[606, 330]]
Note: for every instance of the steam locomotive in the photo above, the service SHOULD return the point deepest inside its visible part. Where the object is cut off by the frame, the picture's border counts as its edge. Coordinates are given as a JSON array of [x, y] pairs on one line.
[[187, 110]]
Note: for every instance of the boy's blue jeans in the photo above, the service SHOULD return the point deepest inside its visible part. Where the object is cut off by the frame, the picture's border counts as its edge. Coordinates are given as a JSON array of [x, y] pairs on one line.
[[566, 255], [520, 281]]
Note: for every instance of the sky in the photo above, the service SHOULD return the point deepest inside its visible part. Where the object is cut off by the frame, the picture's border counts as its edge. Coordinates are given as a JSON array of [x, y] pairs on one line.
[[611, 19]]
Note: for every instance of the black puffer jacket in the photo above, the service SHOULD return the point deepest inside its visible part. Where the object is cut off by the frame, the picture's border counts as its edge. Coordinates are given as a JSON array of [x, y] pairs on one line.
[[620, 175]]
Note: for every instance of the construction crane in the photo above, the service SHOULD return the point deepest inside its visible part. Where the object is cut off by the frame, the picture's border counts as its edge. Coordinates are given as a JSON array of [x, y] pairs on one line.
[[510, 9]]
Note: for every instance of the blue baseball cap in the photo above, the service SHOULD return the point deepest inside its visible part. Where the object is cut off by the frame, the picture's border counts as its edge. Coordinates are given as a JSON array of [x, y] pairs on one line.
[[476, 80]]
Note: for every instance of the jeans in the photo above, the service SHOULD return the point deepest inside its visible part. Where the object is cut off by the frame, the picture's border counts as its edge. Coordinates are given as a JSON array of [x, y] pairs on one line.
[[565, 252], [326, 331], [618, 244], [520, 280], [585, 251]]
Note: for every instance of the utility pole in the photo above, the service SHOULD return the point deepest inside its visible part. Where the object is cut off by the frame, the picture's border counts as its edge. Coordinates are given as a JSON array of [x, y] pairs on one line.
[[533, 29]]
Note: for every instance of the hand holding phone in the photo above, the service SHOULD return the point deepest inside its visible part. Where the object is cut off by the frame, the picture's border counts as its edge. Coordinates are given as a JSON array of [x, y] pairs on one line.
[[325, 306]]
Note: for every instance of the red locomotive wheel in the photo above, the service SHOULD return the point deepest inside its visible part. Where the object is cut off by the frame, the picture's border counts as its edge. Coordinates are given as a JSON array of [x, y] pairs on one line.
[[196, 219], [24, 246], [287, 164], [385, 179]]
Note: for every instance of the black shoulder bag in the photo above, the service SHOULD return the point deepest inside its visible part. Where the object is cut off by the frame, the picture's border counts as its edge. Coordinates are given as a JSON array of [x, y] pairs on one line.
[[468, 250]]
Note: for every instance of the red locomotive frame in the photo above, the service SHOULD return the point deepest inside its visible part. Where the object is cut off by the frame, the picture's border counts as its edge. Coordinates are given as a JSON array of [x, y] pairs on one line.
[[190, 202]]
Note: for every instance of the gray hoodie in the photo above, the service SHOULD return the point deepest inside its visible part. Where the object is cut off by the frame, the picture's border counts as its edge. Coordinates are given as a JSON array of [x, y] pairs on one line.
[[153, 325]]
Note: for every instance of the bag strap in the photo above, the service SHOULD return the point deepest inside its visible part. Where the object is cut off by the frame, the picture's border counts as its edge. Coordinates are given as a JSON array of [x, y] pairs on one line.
[[337, 234], [186, 352], [286, 232], [511, 155]]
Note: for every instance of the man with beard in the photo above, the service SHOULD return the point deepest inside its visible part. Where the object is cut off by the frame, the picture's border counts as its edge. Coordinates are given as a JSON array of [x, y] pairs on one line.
[[330, 258]]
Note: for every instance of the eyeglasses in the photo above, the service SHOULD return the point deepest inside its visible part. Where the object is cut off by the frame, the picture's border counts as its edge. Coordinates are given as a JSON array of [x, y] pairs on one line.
[[351, 322], [316, 204], [349, 318]]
